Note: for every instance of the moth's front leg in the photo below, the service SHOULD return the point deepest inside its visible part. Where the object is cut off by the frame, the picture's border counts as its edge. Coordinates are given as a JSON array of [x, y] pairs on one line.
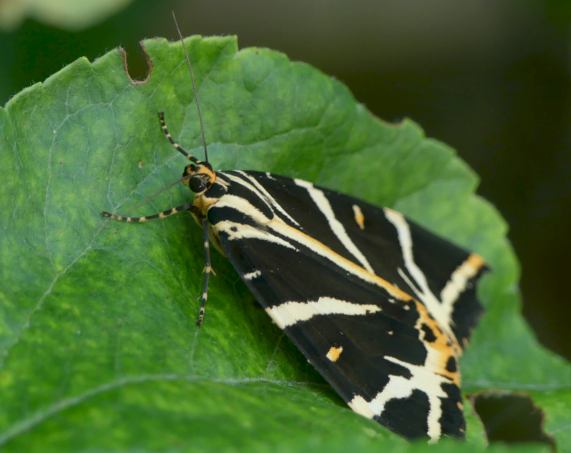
[[159, 215]]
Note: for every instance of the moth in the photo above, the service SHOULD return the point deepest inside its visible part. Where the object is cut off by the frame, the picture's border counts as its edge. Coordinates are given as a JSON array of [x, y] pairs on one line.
[[380, 306]]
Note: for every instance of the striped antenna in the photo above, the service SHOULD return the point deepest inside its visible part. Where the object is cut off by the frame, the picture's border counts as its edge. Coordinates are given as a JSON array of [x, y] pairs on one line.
[[194, 90]]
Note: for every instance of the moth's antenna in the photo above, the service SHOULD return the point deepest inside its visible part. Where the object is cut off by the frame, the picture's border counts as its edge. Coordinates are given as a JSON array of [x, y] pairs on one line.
[[194, 90]]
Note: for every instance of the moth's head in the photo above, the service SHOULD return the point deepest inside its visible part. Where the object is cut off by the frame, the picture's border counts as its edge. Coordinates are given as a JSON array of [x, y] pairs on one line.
[[198, 176]]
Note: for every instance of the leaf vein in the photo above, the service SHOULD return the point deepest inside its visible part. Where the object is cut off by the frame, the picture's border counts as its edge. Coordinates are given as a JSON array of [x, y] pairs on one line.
[[42, 415]]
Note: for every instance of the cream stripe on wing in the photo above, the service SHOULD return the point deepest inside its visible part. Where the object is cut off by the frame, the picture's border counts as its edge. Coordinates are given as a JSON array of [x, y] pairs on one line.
[[242, 205], [324, 206], [268, 196], [257, 189], [421, 287], [252, 275], [235, 230], [247, 185], [399, 387], [458, 281], [290, 313]]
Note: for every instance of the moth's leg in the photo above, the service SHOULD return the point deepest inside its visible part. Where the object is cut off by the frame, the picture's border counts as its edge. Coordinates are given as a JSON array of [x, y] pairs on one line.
[[145, 218], [168, 136], [207, 272]]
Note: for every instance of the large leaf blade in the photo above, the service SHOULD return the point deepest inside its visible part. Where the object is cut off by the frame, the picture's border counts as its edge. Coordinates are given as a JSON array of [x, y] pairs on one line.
[[96, 315]]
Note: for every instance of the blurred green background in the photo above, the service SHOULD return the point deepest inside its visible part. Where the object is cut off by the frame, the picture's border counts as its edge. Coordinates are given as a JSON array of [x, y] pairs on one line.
[[491, 78]]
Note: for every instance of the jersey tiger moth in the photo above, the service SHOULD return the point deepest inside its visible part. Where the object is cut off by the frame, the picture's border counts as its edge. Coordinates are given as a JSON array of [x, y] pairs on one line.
[[380, 306]]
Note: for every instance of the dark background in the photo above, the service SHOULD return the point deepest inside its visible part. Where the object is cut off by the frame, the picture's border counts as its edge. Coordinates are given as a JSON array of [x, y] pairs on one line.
[[491, 78]]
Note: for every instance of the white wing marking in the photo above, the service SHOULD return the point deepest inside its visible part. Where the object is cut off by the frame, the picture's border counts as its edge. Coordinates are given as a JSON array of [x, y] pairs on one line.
[[421, 287], [268, 196], [337, 227], [290, 313], [252, 275], [458, 282]]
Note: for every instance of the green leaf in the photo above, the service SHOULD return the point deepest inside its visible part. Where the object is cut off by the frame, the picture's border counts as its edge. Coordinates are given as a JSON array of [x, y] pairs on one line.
[[98, 347], [68, 14]]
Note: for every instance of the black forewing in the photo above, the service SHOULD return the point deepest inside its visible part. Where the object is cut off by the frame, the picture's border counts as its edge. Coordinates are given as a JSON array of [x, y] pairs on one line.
[[283, 274]]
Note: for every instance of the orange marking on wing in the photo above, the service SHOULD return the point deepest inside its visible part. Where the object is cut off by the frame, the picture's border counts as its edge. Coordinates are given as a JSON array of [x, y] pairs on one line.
[[334, 353], [475, 261], [359, 216], [444, 345]]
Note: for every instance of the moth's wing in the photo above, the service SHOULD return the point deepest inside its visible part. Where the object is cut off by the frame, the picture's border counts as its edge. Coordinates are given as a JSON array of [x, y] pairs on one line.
[[381, 350], [435, 271]]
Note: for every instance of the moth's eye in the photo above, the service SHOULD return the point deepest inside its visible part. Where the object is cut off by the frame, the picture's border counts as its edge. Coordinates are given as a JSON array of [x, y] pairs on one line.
[[198, 183]]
